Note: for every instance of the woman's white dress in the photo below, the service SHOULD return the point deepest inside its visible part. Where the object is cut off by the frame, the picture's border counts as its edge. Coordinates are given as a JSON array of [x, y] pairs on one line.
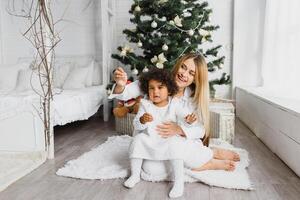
[[195, 153]]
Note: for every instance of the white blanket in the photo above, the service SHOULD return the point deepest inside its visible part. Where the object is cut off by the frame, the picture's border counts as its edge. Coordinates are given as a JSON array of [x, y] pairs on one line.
[[110, 160]]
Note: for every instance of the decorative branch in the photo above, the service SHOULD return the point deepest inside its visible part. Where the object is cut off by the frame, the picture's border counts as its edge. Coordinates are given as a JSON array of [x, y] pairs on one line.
[[42, 36]]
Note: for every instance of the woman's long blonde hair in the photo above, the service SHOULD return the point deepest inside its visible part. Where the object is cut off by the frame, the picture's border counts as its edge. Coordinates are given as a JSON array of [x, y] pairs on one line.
[[200, 89]]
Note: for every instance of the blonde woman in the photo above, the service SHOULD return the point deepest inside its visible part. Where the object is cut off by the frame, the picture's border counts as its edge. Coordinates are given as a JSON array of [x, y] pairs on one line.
[[191, 76]]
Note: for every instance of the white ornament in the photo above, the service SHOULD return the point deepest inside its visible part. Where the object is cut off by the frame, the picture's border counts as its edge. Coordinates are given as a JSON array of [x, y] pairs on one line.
[[162, 1], [137, 9], [123, 53], [187, 14], [163, 19], [183, 2], [203, 32], [159, 65], [165, 47], [145, 69], [139, 44], [171, 22], [154, 59], [221, 66], [153, 24], [191, 32], [161, 58], [134, 71], [177, 21]]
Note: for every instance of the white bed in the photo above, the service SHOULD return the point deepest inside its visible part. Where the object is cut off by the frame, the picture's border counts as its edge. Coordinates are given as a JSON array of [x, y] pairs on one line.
[[21, 128]]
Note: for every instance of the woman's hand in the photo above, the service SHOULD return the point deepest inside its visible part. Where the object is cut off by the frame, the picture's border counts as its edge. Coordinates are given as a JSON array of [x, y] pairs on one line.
[[120, 76], [169, 129]]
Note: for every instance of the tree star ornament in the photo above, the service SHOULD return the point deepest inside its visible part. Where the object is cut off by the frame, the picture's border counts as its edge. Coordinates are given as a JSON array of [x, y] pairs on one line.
[[203, 32], [154, 59], [165, 47], [123, 53], [154, 24], [177, 21]]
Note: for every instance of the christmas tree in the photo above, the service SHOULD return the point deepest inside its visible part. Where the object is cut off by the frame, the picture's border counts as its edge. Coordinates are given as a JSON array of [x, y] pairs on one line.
[[167, 29]]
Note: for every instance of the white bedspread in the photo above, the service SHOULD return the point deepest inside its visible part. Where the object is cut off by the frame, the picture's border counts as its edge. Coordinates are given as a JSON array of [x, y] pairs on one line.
[[80, 104], [68, 105]]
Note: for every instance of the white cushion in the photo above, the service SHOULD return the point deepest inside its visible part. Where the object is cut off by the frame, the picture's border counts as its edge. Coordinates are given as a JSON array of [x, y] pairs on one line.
[[90, 74], [76, 78], [9, 76], [60, 73], [97, 74], [28, 80]]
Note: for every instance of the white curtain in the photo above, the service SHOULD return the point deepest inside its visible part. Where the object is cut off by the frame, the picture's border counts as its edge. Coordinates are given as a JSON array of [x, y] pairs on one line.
[[281, 48]]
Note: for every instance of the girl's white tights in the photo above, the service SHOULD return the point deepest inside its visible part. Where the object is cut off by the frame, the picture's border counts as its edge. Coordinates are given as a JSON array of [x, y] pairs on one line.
[[136, 166], [177, 167], [178, 171]]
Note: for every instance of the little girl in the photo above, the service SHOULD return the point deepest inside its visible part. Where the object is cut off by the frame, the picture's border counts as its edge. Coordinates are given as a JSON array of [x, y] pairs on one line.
[[160, 107]]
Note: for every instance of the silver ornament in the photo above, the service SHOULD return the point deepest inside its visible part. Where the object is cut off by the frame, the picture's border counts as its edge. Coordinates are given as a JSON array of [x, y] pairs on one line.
[[139, 44], [191, 32], [154, 24], [137, 9], [165, 47], [135, 71], [145, 69]]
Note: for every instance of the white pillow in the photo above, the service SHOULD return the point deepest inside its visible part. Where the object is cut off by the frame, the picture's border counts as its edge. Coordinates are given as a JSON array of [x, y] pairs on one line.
[[60, 74], [9, 76], [90, 74], [76, 78], [28, 80], [96, 74]]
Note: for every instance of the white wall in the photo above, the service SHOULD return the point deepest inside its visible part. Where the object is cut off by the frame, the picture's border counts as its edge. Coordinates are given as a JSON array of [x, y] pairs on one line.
[[222, 16], [77, 30], [248, 36]]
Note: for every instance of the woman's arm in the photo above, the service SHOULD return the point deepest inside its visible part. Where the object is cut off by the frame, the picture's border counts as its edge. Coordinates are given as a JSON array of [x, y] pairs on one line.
[[122, 91], [168, 129], [137, 122]]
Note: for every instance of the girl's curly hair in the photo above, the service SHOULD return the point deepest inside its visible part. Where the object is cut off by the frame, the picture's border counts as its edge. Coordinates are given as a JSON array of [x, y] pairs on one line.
[[161, 75]]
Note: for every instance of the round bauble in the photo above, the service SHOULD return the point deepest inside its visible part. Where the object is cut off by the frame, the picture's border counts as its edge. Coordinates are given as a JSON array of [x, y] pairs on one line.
[[139, 44], [134, 71], [191, 32], [145, 69], [137, 9], [154, 24], [165, 47]]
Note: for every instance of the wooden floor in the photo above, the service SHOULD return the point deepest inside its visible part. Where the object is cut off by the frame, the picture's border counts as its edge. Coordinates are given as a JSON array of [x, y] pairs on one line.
[[271, 177]]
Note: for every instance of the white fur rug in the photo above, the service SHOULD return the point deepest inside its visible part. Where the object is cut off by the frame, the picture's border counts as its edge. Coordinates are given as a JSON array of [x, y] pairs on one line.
[[110, 160]]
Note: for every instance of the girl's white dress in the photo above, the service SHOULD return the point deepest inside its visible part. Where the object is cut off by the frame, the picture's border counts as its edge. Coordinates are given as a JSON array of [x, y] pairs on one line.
[[147, 143], [195, 153]]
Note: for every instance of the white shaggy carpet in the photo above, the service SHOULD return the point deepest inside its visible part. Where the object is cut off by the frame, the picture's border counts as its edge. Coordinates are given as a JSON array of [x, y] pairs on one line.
[[110, 160]]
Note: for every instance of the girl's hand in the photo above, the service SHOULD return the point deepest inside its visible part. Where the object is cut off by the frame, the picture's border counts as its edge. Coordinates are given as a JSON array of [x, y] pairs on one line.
[[120, 76], [169, 129], [146, 118], [190, 118]]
